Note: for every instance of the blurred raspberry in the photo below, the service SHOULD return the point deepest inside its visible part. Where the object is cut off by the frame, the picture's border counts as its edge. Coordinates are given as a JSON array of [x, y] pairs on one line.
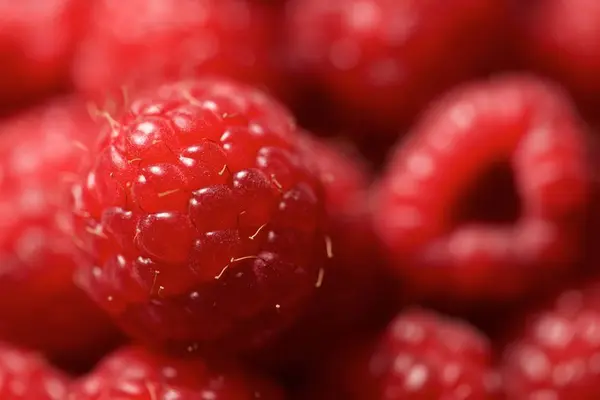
[[141, 42], [37, 41], [40, 307]]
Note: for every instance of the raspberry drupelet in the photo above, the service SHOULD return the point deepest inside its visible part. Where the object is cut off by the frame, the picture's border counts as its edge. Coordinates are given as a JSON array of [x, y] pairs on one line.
[[134, 373], [487, 198], [204, 218]]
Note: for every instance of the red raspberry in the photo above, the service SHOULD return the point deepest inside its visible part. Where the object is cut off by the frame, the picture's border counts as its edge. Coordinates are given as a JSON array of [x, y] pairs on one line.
[[560, 39], [381, 59], [421, 355], [203, 217], [140, 41], [37, 41], [444, 209], [556, 355], [40, 307], [133, 373], [26, 376], [352, 289]]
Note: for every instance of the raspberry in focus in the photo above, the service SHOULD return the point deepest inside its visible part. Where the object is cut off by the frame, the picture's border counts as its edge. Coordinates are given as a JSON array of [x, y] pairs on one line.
[[204, 219]]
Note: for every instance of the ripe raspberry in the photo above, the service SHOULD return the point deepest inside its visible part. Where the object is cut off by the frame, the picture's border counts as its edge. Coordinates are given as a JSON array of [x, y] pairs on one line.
[[352, 290], [445, 212], [40, 307], [380, 60], [140, 41], [133, 373], [556, 355], [203, 217], [26, 376], [560, 39], [421, 355], [37, 41]]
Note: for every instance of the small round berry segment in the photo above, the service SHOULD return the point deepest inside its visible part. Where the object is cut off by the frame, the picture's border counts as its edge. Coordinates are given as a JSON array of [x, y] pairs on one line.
[[204, 219], [452, 244], [420, 355], [556, 355], [133, 373]]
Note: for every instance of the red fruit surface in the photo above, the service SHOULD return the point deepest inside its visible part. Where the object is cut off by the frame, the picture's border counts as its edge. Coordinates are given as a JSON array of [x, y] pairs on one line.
[[453, 223], [561, 38], [420, 356], [26, 376], [556, 355], [204, 218], [351, 293], [37, 41], [40, 306], [143, 41], [381, 61], [133, 373]]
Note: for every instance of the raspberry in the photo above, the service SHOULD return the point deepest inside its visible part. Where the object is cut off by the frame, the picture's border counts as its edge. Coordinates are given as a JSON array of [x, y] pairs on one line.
[[379, 60], [556, 354], [26, 375], [560, 38], [133, 373], [142, 41], [351, 291], [421, 355], [444, 210], [204, 219], [40, 307], [37, 41]]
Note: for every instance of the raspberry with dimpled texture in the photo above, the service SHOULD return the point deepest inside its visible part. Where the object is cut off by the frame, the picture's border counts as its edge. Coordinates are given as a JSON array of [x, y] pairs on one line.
[[134, 373], [445, 210], [204, 219], [142, 42], [382, 61], [421, 355], [40, 306], [352, 293], [555, 354], [25, 375]]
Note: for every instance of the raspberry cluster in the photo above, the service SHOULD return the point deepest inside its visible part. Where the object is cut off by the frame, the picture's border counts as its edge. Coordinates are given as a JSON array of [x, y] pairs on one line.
[[299, 199]]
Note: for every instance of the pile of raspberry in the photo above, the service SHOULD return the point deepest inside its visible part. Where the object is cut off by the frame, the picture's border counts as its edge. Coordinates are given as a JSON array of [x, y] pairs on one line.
[[300, 200]]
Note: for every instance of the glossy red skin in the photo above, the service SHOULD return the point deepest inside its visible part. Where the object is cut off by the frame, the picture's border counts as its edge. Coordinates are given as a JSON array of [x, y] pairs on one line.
[[420, 356], [560, 38], [525, 122], [382, 61], [133, 373], [40, 305], [143, 42], [37, 42], [205, 220], [27, 376], [555, 350], [353, 294]]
